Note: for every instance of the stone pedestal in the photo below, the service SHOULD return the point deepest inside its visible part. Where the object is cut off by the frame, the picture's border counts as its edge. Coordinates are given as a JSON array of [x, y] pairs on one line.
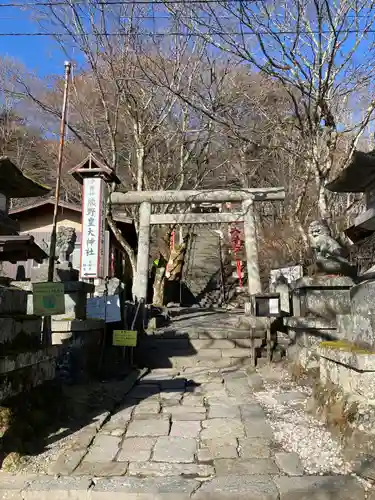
[[322, 297], [62, 272], [75, 298]]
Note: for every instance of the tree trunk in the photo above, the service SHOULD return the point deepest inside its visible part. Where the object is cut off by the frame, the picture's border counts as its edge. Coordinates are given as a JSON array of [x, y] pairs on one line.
[[176, 262], [159, 286]]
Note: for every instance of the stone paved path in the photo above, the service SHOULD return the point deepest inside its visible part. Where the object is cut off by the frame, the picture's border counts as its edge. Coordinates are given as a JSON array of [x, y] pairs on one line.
[[192, 434]]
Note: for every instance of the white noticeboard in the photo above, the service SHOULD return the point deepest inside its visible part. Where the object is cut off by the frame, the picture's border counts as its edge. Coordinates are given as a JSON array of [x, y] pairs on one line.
[[105, 308], [274, 306], [93, 228], [291, 274]]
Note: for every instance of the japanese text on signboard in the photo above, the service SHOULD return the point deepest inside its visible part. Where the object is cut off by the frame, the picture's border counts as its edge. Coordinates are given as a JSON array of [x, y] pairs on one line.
[[93, 230]]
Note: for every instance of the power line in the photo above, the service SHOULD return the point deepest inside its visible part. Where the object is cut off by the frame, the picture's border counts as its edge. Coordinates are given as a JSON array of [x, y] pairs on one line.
[[119, 2], [188, 34]]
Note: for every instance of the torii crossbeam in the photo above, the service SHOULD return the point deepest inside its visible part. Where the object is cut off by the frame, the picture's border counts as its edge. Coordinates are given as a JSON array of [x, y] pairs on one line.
[[146, 198]]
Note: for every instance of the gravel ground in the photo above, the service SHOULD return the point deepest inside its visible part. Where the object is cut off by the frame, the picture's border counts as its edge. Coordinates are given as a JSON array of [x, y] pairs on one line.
[[39, 464], [295, 430]]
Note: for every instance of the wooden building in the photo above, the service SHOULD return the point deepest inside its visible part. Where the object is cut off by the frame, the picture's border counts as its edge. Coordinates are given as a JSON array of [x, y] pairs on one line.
[[35, 219]]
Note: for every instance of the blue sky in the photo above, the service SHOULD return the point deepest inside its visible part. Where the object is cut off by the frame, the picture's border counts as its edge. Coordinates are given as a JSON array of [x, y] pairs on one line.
[[39, 54]]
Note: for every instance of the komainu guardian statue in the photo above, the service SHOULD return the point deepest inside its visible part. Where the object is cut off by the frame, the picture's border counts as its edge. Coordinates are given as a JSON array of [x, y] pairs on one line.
[[330, 256], [65, 243]]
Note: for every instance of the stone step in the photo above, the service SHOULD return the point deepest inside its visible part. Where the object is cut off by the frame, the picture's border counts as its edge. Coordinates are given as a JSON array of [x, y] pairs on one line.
[[225, 487], [214, 333]]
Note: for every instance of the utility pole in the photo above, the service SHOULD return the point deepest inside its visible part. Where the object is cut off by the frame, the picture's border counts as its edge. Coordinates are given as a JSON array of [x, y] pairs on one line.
[[52, 249], [51, 260]]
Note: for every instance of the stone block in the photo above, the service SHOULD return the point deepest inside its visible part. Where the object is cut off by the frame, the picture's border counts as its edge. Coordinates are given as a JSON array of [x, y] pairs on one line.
[[209, 353], [139, 428], [212, 344], [174, 450], [13, 301], [341, 369], [235, 487], [362, 298], [101, 469], [251, 411], [239, 334], [17, 381], [76, 325], [289, 463], [218, 427], [252, 466], [26, 359], [183, 409], [186, 428], [258, 428], [322, 297], [170, 469], [67, 462], [136, 449], [131, 488], [103, 449], [188, 416], [217, 411], [238, 352], [8, 330], [12, 487], [64, 488], [147, 406], [212, 449], [254, 448], [319, 488]]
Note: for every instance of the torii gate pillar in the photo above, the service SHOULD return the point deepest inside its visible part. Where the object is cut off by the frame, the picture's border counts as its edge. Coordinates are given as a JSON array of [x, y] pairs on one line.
[[246, 196], [251, 246], [140, 283]]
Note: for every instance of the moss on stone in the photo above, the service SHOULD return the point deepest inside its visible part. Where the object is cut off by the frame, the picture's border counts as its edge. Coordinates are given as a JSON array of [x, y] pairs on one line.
[[344, 345]]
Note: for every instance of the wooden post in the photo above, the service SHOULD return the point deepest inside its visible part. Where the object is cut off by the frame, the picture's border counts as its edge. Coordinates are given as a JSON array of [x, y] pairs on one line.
[[269, 341], [253, 277], [141, 280]]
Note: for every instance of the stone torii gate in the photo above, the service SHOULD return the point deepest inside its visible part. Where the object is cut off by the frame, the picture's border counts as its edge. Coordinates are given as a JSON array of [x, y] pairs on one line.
[[146, 198]]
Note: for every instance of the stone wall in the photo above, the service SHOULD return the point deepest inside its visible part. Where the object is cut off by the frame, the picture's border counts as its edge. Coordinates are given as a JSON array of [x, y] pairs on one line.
[[80, 343], [24, 363]]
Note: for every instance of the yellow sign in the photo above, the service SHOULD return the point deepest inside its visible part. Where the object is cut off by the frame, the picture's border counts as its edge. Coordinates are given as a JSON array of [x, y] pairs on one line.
[[48, 299], [125, 338]]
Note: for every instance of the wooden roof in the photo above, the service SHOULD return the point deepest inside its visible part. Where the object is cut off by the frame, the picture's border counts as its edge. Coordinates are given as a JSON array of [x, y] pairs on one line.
[[20, 248], [15, 184], [14, 213], [357, 176], [92, 167], [42, 202]]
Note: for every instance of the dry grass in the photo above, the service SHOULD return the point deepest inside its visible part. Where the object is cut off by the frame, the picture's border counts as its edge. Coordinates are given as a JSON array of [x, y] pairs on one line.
[[334, 408]]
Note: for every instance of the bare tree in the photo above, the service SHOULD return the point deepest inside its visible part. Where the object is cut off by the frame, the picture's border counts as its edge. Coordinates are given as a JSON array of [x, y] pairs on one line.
[[144, 132], [321, 54]]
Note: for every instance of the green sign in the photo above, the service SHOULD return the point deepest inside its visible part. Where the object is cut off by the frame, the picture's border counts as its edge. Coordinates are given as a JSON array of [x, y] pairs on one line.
[[48, 299], [124, 338]]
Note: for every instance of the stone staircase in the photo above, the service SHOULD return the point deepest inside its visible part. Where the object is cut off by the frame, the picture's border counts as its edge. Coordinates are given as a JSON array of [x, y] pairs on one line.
[[210, 338], [208, 267], [203, 264]]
